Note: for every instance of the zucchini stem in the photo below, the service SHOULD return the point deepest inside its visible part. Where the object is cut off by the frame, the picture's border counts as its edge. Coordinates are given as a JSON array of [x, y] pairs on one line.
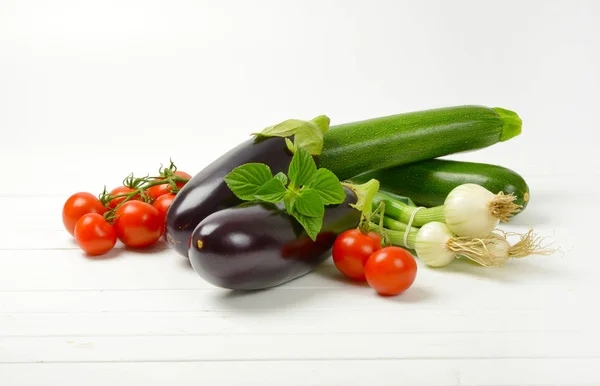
[[511, 123]]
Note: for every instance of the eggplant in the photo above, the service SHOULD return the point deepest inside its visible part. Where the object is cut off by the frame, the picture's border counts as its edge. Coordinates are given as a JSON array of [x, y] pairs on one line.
[[258, 245], [207, 192]]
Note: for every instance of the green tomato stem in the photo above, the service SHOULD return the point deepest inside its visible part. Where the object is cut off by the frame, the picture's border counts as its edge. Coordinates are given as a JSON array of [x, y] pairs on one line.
[[141, 189]]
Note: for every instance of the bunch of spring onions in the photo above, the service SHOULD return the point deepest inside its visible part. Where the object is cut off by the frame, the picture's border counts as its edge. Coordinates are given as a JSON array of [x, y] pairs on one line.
[[465, 226]]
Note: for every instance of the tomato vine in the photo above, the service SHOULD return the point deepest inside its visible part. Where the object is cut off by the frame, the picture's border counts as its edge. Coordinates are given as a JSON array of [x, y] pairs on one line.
[[140, 186]]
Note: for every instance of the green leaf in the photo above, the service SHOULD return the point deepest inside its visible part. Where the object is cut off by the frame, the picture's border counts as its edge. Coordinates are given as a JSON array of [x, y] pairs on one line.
[[310, 136], [284, 129], [272, 191], [309, 203], [309, 140], [282, 177], [322, 122], [307, 134], [329, 187], [245, 180], [302, 168], [312, 225]]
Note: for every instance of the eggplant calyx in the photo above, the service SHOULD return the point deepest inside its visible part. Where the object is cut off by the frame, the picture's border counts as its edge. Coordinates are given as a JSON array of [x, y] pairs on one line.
[[307, 134], [364, 193]]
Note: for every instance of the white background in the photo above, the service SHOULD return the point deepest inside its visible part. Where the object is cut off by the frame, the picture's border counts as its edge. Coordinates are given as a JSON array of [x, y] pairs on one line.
[[91, 91]]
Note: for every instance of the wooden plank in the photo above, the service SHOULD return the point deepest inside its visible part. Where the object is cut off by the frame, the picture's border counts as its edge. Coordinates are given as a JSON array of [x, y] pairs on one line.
[[291, 321], [312, 346], [359, 372], [509, 297], [161, 268]]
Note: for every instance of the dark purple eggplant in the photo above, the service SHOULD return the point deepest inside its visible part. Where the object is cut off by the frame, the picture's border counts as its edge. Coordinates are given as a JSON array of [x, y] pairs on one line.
[[258, 245], [207, 193]]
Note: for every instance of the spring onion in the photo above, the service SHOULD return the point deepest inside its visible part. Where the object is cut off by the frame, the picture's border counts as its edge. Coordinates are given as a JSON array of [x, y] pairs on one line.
[[470, 210], [437, 246]]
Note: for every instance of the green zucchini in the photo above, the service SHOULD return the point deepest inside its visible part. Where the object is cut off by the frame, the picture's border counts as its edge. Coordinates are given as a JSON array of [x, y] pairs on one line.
[[428, 182], [355, 148]]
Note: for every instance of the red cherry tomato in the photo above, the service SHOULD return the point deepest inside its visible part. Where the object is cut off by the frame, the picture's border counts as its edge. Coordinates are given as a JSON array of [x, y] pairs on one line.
[[162, 204], [94, 235], [77, 205], [391, 270], [159, 190], [118, 191], [352, 249], [138, 224], [182, 175]]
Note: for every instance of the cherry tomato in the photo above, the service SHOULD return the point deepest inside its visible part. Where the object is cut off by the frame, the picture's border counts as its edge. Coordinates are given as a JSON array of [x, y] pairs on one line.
[[352, 249], [121, 190], [162, 204], [77, 205], [159, 190], [391, 270], [182, 175], [138, 224], [94, 235]]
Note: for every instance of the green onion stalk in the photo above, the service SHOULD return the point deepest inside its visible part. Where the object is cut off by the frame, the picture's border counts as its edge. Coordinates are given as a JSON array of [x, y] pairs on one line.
[[469, 210], [429, 235]]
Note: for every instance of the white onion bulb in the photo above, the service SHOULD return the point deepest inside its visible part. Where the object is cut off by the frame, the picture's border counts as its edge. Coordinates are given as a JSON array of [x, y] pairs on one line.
[[467, 211], [499, 248], [431, 242]]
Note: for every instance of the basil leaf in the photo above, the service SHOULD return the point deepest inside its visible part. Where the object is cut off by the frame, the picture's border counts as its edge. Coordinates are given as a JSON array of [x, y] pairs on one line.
[[312, 225], [272, 191], [309, 203], [329, 187], [245, 180], [282, 177], [302, 168]]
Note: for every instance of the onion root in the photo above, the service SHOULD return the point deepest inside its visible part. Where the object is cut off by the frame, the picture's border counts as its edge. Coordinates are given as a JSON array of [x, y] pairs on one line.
[[503, 206]]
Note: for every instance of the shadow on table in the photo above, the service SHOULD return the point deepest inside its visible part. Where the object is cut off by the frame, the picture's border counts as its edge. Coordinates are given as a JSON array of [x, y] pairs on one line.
[[330, 272], [414, 294], [265, 301], [515, 270], [120, 249], [112, 254]]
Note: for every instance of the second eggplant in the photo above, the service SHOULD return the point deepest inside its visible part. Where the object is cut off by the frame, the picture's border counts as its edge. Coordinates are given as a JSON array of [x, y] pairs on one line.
[[207, 192], [257, 245]]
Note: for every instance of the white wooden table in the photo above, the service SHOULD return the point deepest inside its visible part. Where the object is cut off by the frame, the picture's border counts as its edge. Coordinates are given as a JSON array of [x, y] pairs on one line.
[[147, 317], [90, 93]]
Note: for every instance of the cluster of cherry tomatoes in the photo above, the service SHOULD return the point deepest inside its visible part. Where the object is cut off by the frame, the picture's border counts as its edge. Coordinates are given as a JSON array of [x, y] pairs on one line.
[[360, 256], [133, 213]]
